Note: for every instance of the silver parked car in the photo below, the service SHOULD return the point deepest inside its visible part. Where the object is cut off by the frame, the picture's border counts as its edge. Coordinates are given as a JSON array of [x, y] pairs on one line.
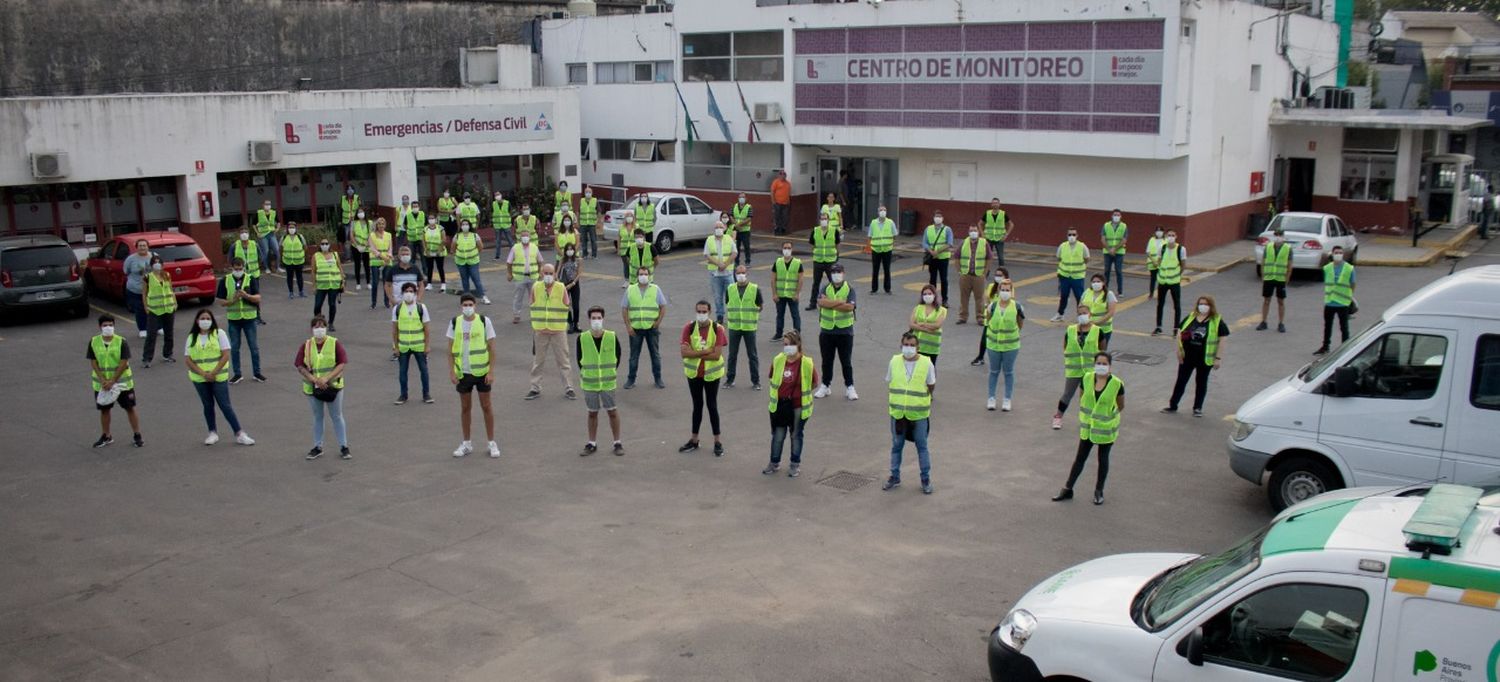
[[679, 218], [40, 272]]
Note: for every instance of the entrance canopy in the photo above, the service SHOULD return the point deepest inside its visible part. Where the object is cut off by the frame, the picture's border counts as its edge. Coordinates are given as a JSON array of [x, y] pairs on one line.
[[1406, 119]]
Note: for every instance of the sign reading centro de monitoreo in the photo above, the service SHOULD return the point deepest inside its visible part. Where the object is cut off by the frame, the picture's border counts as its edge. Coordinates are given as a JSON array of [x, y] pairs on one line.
[[343, 129], [1076, 76]]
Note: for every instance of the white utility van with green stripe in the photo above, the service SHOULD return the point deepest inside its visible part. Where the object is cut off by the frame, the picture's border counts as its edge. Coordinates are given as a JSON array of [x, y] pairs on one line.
[[1415, 398], [1342, 587]]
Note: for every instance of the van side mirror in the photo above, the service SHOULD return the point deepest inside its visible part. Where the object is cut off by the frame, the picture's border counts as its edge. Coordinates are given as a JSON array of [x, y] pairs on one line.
[[1344, 381], [1191, 647]]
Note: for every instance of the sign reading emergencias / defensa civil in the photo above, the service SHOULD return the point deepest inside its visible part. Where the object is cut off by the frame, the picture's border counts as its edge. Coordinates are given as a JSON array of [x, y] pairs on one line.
[[1077, 76], [343, 129]]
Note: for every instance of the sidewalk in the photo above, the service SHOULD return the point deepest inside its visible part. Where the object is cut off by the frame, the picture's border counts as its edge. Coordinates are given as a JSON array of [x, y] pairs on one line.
[[1398, 251]]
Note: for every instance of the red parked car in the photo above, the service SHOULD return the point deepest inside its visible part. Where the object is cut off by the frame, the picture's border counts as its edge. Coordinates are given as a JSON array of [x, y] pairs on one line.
[[192, 273]]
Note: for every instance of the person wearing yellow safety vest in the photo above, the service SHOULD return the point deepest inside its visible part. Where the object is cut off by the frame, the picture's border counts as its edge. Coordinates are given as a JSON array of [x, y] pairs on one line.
[[744, 305], [927, 323], [997, 228], [642, 254], [1098, 425], [266, 227], [719, 253], [466, 246], [321, 361], [525, 224], [1169, 263], [1200, 348], [645, 217], [328, 280], [500, 220], [359, 239], [1153, 256], [411, 338], [207, 354], [1080, 342], [435, 254], [786, 273], [1002, 274], [703, 362], [792, 379], [937, 247], [348, 207], [836, 307], [833, 211], [549, 326], [974, 254], [472, 353], [410, 222], [588, 224], [1113, 236], [562, 201], [467, 210], [161, 311], [825, 240], [109, 361], [740, 215], [1275, 268], [381, 257], [565, 234], [643, 307], [522, 267], [623, 243], [293, 260], [1072, 263], [446, 205], [598, 356], [910, 380], [1003, 322], [882, 235], [239, 293], [1102, 304], [249, 251], [1338, 298]]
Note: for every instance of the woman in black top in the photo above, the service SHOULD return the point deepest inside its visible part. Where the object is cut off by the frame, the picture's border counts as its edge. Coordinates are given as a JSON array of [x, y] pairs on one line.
[[1200, 348]]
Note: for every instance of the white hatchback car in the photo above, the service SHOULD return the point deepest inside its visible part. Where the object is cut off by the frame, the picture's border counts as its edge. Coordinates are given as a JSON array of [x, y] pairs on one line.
[[1312, 236], [679, 218]]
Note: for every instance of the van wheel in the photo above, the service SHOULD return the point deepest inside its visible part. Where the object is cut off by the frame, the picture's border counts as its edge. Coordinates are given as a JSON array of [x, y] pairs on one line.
[[1298, 479], [664, 242]]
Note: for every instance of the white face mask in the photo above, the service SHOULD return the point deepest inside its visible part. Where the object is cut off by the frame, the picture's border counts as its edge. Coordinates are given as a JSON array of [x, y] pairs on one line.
[[973, 235], [588, 193], [1005, 295], [1279, 240], [786, 253], [1072, 238], [909, 352], [320, 332], [639, 243], [700, 317], [1115, 218], [1338, 257], [107, 330], [836, 277], [361, 215], [1159, 234], [1203, 308], [205, 324], [567, 222], [1101, 370], [156, 267], [267, 207], [570, 253], [409, 296], [882, 213], [238, 273], [244, 236], [291, 230], [741, 277], [928, 298], [718, 232], [742, 200], [1083, 319], [525, 239], [1171, 240], [789, 350], [823, 223], [468, 311], [643, 279], [324, 247], [464, 227], [1098, 286], [596, 325], [525, 211], [547, 279], [937, 221], [405, 258]]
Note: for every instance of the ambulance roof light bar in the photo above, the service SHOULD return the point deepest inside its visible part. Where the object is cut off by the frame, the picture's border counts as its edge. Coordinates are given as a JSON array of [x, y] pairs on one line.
[[1437, 524]]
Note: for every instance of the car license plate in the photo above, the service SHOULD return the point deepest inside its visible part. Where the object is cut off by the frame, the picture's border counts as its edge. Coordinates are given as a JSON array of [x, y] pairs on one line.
[[179, 290], [45, 295]]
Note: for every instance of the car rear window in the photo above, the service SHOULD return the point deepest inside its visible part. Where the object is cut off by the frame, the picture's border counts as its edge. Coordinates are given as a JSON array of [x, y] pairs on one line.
[[36, 257], [1298, 223], [171, 253]]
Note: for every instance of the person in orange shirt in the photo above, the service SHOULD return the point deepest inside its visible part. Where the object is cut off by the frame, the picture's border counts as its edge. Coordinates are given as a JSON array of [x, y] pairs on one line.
[[781, 201]]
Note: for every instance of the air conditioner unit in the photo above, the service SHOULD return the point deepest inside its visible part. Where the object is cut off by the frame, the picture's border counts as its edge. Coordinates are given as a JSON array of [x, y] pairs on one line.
[[656, 9], [49, 165], [265, 151], [767, 112], [558, 14]]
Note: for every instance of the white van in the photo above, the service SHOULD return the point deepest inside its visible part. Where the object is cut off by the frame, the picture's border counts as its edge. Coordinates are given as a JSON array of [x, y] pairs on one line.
[[1373, 588], [1414, 398]]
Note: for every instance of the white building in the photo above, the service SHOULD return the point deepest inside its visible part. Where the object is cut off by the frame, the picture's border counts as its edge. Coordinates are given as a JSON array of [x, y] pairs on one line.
[[1063, 109]]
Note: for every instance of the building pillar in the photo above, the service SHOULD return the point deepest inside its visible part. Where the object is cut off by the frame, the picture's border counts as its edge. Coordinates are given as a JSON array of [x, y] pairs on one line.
[[191, 220], [392, 180]]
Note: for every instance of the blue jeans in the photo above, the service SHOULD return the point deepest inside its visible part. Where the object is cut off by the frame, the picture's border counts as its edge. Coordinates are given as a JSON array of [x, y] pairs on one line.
[[377, 282], [270, 252], [1115, 263], [1003, 361], [783, 305], [248, 329], [468, 280], [335, 411], [136, 303], [216, 392], [779, 435], [1065, 286], [502, 241], [720, 285], [999, 252], [652, 339], [404, 362], [588, 241], [898, 443]]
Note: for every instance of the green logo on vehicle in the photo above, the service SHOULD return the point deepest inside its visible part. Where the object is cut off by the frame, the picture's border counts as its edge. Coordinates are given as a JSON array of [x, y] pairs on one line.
[[1425, 661]]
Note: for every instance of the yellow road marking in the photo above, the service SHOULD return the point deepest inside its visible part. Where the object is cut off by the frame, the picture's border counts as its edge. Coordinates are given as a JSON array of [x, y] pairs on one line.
[[127, 319]]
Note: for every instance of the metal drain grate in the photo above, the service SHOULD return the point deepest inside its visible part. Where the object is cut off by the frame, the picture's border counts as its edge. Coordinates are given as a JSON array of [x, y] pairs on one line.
[[847, 481], [1138, 359]]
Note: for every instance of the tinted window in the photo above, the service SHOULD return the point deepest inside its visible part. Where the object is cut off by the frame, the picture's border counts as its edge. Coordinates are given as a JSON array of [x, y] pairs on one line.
[[1484, 391], [120, 251], [35, 257], [1400, 366], [1301, 632], [697, 206], [1298, 223], [175, 252], [676, 207]]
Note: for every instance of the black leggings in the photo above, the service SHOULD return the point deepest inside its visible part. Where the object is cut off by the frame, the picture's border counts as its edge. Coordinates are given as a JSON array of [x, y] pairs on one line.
[[937, 276], [362, 266], [1082, 458], [436, 264], [1200, 383], [574, 296], [293, 273], [1161, 298], [700, 391]]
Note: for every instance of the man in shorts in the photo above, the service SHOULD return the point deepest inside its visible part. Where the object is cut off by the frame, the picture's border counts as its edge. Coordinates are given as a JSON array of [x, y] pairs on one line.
[[598, 368], [472, 348], [1275, 269], [109, 356]]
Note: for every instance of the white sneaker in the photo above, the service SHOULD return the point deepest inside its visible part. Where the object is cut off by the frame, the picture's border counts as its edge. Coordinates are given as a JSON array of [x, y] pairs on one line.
[[1005, 405], [212, 438], [849, 394], [822, 392], [464, 448], [445, 287], [1057, 318], [485, 300], [244, 439], [143, 333], [990, 404], [429, 288], [494, 449], [359, 287]]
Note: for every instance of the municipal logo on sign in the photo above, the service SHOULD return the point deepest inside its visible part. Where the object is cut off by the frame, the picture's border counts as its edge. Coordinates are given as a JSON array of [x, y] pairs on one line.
[[541, 123]]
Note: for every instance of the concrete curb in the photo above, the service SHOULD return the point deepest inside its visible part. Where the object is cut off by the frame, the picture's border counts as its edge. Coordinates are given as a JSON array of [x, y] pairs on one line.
[[1434, 252]]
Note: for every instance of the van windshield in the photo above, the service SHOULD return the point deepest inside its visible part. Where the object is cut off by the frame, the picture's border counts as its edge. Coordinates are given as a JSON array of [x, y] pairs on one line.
[[1317, 367], [1181, 588]]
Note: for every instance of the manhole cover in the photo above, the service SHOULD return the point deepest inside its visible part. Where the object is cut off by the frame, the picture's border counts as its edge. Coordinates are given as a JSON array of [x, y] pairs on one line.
[[847, 481], [1138, 359]]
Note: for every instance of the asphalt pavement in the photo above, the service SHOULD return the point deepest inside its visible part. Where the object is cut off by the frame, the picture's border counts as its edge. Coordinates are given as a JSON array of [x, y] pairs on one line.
[[180, 561]]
